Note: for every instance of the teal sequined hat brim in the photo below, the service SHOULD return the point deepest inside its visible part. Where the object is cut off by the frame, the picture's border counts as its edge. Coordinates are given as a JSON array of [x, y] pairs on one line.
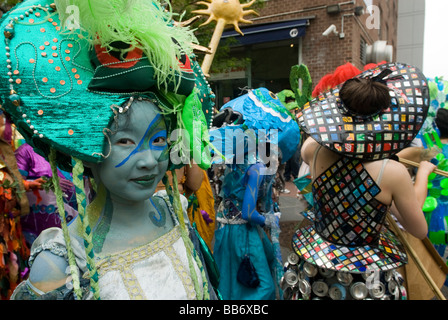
[[45, 83]]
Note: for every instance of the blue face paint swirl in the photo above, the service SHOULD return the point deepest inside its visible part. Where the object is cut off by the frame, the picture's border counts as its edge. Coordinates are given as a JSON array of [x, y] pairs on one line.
[[159, 219], [157, 135], [141, 147]]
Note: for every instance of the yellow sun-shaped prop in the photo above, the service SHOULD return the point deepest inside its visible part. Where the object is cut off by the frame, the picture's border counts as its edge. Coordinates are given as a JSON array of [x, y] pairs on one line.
[[224, 12]]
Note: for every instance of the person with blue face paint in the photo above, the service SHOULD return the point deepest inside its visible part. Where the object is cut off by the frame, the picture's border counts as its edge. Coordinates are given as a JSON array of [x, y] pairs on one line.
[[138, 160], [133, 217], [113, 124], [138, 154]]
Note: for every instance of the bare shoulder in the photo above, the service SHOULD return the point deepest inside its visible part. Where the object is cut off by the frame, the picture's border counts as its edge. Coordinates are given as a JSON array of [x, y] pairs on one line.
[[395, 171], [49, 271], [308, 148], [396, 166]]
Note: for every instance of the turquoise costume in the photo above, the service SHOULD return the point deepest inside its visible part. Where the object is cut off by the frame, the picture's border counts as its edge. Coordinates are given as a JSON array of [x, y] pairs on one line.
[[436, 204], [236, 238], [246, 192]]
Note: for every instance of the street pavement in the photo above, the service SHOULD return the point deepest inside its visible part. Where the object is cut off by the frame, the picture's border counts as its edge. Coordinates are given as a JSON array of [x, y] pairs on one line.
[[290, 207]]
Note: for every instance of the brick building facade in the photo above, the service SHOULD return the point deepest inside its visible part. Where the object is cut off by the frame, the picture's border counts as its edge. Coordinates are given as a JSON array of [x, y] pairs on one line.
[[366, 32]]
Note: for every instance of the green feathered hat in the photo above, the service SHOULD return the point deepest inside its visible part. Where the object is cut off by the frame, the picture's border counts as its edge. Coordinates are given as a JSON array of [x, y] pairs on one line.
[[69, 66]]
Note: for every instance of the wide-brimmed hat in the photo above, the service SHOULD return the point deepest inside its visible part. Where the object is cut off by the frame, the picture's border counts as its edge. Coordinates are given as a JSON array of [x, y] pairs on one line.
[[327, 120], [63, 87], [261, 109]]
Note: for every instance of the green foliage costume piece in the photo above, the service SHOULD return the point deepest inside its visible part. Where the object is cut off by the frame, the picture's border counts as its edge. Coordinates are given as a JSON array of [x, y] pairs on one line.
[[304, 95]]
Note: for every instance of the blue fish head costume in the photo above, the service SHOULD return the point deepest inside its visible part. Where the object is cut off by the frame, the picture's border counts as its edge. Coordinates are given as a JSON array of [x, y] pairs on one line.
[[265, 116]]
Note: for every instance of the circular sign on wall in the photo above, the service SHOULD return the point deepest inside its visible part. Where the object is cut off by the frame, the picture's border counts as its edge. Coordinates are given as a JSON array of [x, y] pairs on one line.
[[293, 33]]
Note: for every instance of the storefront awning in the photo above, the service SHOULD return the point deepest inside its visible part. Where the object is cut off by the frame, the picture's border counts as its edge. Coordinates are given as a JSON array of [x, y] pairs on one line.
[[268, 32]]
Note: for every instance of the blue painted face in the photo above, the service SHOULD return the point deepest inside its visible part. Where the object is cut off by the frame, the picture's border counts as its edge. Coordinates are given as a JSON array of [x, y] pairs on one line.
[[139, 154]]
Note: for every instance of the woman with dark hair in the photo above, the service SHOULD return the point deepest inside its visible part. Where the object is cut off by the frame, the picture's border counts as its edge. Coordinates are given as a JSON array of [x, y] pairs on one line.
[[354, 130]]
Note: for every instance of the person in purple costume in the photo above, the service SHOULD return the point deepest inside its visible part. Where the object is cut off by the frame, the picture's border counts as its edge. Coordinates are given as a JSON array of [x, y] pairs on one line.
[[43, 209]]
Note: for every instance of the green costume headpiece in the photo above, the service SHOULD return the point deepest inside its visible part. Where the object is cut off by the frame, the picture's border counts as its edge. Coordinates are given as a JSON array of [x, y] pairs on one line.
[[70, 65]]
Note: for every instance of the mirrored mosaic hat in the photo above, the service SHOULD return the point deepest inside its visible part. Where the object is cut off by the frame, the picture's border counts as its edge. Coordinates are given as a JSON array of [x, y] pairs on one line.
[[63, 85], [327, 120]]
